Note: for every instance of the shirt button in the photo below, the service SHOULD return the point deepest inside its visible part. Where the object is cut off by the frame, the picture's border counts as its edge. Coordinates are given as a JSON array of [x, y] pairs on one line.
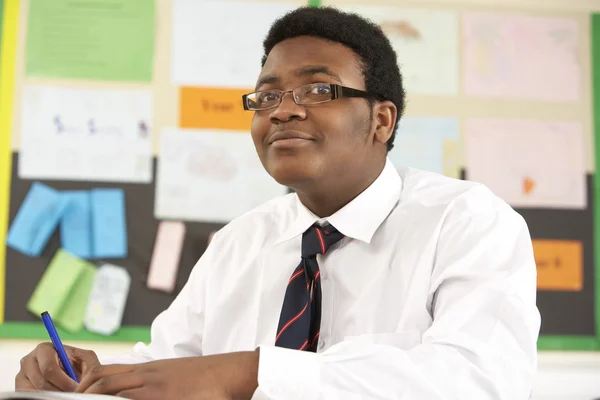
[[321, 345]]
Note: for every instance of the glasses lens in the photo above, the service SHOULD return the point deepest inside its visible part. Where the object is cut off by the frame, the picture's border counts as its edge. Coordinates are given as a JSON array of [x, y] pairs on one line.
[[314, 93], [263, 100]]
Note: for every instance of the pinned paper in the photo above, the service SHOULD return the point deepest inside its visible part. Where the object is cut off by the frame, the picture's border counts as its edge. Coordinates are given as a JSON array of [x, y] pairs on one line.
[[213, 108], [166, 255], [76, 224], [109, 226], [63, 290], [36, 220], [107, 300], [528, 163], [559, 264]]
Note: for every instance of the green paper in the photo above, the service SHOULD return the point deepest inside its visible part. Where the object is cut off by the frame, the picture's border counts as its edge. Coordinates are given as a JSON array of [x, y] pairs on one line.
[[91, 39], [71, 316], [58, 281]]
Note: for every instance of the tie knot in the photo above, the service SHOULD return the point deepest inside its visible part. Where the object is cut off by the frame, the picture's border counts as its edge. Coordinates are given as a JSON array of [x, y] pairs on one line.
[[318, 239]]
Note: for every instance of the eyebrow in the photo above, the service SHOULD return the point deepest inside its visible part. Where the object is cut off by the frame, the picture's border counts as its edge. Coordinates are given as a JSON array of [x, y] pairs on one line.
[[301, 72]]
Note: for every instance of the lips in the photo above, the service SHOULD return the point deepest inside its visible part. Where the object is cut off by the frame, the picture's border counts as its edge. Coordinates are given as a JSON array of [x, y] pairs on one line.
[[285, 135]]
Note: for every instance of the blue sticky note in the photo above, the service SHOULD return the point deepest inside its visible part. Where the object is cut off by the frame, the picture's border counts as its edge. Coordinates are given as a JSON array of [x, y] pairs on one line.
[[36, 220], [109, 228], [76, 224]]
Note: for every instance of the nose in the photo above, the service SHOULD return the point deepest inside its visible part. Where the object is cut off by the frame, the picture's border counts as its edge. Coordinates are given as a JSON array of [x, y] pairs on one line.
[[287, 110]]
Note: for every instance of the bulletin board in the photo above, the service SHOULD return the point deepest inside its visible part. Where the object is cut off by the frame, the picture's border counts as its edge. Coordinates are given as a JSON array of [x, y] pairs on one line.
[[443, 116]]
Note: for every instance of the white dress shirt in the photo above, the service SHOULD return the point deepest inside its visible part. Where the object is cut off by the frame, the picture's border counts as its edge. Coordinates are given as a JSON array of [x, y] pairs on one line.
[[430, 295]]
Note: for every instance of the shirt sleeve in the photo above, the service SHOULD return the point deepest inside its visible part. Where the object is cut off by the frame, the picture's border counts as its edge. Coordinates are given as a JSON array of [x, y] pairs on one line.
[[177, 331], [480, 345]]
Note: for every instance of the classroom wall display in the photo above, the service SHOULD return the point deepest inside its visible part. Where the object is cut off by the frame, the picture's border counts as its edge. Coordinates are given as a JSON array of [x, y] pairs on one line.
[[107, 176]]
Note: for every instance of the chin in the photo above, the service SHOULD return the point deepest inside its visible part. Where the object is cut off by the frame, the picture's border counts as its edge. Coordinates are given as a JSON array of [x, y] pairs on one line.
[[290, 172]]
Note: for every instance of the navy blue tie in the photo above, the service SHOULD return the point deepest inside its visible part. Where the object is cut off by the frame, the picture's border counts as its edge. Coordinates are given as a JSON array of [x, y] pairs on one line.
[[300, 319]]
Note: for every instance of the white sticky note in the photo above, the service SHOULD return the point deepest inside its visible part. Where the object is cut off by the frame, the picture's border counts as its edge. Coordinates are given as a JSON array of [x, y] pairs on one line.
[[528, 163], [107, 300], [166, 255]]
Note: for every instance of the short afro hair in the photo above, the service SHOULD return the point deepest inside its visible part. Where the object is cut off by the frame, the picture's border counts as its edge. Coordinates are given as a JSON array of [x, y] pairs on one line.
[[376, 54]]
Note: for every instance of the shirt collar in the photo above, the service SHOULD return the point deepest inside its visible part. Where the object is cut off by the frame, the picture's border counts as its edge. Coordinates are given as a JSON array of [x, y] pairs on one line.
[[360, 218]]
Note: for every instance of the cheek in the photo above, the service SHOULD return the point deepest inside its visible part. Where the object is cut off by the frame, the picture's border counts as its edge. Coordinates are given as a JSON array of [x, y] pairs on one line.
[[259, 130]]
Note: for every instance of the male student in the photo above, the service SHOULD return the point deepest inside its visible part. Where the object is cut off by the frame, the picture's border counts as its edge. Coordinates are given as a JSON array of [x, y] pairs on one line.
[[366, 283]]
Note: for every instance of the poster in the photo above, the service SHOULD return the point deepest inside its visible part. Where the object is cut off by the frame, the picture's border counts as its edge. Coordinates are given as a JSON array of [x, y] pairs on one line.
[[90, 39], [86, 134], [427, 143], [219, 42], [426, 44], [210, 176], [528, 163], [521, 56]]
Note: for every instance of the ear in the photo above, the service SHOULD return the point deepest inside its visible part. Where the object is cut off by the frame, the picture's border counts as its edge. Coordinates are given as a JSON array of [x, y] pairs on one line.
[[384, 117]]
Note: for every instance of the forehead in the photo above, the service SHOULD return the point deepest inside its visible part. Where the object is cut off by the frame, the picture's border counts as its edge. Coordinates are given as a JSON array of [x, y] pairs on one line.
[[290, 55]]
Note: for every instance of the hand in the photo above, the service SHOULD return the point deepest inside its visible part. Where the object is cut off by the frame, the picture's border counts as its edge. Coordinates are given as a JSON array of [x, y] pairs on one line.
[[41, 369], [218, 377]]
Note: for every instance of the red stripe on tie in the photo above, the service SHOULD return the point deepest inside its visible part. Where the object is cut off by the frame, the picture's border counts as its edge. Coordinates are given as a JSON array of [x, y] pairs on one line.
[[297, 274], [290, 322], [315, 338], [320, 235], [304, 345], [317, 275]]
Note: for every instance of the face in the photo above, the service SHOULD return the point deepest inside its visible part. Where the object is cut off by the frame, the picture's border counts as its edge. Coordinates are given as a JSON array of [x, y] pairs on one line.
[[308, 144]]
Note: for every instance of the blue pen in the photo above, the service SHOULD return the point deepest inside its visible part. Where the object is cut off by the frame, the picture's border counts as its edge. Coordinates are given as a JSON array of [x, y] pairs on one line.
[[58, 346]]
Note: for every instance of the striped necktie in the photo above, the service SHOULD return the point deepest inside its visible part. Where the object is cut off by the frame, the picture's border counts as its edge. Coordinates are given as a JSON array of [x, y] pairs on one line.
[[300, 320]]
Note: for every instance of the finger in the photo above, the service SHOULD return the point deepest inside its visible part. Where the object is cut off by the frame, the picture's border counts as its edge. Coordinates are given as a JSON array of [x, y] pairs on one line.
[[101, 371], [51, 369], [112, 384], [83, 360], [22, 383], [31, 375]]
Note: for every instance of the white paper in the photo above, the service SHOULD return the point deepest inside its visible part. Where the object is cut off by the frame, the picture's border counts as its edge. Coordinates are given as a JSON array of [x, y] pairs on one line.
[[107, 300], [219, 42], [210, 175], [424, 143], [86, 134], [426, 44], [521, 56], [528, 163]]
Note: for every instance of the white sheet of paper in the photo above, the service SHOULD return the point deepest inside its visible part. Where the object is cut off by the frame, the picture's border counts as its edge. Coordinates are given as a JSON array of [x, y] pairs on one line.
[[426, 44], [210, 175], [86, 134], [219, 42], [521, 56], [162, 274], [528, 163], [428, 143]]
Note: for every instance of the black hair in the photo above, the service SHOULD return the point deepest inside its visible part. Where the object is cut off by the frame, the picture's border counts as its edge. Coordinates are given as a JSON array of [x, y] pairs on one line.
[[376, 55]]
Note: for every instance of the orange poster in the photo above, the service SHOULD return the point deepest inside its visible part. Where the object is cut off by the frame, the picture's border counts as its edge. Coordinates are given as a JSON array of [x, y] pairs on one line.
[[218, 108], [559, 264]]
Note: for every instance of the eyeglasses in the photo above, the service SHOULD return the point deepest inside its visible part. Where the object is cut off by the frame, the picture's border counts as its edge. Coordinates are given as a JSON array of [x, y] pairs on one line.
[[314, 93]]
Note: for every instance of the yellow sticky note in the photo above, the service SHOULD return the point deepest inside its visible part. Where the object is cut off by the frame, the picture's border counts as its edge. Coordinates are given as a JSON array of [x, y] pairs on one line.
[[213, 108], [559, 264], [451, 168]]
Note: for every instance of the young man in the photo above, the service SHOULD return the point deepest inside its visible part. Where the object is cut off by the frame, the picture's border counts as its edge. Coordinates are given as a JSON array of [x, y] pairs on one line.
[[365, 283]]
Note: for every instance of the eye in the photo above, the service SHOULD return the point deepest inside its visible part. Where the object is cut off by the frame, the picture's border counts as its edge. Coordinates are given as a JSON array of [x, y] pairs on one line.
[[321, 89], [267, 97]]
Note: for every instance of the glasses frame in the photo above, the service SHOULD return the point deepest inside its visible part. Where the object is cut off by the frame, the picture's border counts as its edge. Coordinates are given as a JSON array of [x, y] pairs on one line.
[[337, 92]]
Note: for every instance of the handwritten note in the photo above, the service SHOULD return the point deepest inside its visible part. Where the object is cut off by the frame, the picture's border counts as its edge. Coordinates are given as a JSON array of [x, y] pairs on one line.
[[425, 41], [36, 219], [528, 163], [86, 134], [219, 43], [210, 175], [76, 224], [213, 108], [165, 257], [559, 264], [109, 223], [91, 39], [427, 143], [521, 56]]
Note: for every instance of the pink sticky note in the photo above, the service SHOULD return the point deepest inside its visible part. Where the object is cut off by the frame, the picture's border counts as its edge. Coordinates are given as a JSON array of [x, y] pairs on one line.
[[166, 255]]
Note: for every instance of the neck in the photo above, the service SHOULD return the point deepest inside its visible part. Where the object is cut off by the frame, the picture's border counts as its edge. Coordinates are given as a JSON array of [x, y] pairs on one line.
[[327, 196]]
